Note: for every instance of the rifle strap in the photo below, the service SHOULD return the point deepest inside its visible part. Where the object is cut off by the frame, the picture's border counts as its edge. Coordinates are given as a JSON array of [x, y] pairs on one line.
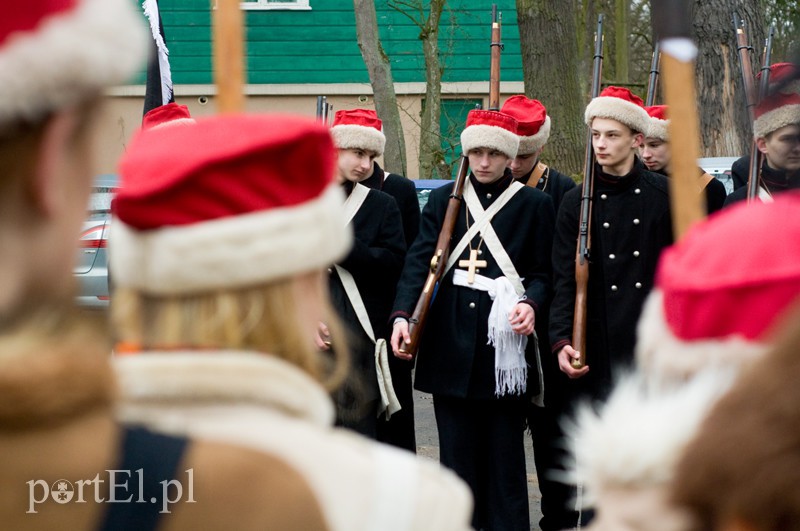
[[389, 402], [482, 224], [539, 170]]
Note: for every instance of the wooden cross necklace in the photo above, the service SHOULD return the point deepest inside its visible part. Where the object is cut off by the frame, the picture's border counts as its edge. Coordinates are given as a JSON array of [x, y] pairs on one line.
[[473, 263]]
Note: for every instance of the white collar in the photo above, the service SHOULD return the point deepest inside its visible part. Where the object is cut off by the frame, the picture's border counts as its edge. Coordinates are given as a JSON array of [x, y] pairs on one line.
[[223, 377]]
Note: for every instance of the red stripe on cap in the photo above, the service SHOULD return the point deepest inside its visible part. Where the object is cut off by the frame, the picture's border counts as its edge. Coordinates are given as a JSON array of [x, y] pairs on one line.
[[27, 15], [736, 274]]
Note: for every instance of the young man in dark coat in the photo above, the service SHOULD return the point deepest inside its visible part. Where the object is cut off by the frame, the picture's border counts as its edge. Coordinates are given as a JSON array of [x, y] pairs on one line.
[[543, 420], [364, 282], [630, 225], [472, 356], [777, 133], [656, 155], [534, 131], [399, 429]]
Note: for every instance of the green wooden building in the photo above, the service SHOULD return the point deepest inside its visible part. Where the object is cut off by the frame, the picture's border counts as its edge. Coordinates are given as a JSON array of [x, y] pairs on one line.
[[299, 49]]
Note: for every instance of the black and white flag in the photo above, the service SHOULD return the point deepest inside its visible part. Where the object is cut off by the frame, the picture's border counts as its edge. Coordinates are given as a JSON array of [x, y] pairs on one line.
[[158, 88]]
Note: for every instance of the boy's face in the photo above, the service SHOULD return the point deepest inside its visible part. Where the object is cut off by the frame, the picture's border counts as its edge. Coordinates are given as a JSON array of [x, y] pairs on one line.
[[613, 143], [487, 164], [523, 164], [355, 164], [782, 148], [655, 154]]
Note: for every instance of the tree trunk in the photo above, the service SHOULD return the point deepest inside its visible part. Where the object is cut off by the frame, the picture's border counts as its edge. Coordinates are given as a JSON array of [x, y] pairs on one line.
[[724, 123], [380, 77], [430, 142], [550, 65]]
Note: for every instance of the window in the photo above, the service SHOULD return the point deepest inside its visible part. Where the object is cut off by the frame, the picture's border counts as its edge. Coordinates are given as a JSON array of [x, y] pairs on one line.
[[276, 4]]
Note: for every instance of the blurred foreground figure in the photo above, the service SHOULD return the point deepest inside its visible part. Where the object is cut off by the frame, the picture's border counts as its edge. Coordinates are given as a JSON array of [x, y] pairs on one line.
[[219, 250], [719, 294], [741, 470]]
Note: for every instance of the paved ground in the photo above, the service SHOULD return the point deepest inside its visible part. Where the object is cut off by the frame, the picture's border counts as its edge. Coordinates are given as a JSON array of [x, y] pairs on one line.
[[428, 446]]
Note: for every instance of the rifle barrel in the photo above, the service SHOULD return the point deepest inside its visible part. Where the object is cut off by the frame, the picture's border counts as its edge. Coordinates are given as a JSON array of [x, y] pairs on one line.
[[652, 80]]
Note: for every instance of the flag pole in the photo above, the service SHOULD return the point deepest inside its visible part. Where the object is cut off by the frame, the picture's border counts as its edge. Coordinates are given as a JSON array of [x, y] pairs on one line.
[[229, 56], [672, 25]]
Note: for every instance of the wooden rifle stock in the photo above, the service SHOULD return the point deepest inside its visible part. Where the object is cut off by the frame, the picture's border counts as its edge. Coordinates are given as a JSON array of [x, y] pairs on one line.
[[416, 323], [756, 157], [584, 233], [652, 80]]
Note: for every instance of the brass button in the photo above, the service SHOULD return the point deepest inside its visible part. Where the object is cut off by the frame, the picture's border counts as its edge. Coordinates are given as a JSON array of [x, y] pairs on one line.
[[606, 225], [612, 256], [603, 196], [637, 191], [472, 305], [636, 254], [614, 288], [636, 221], [638, 285]]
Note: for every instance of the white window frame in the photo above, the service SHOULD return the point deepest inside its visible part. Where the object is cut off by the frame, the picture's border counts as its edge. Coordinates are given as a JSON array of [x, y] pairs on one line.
[[284, 5]]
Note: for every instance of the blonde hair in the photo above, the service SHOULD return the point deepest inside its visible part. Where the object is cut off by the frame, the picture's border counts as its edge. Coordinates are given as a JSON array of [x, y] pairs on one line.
[[264, 318]]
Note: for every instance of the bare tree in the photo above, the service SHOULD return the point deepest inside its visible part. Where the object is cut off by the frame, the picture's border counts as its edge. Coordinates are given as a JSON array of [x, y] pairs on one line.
[[380, 77], [430, 149], [550, 66], [724, 122]]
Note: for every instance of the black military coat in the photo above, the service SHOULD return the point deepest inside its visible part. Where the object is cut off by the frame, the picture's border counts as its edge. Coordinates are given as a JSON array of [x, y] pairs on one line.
[[714, 192], [553, 183], [375, 262], [404, 192], [775, 181], [630, 225], [454, 357]]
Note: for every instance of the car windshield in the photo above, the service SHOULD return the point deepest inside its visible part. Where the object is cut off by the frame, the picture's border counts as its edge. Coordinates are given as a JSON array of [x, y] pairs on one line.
[[100, 200]]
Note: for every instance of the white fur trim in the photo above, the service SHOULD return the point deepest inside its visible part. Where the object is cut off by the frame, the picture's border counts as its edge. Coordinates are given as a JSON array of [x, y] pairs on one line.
[[223, 377], [658, 129], [638, 437], [349, 136], [100, 42], [775, 119], [620, 110], [489, 136], [532, 144], [231, 252], [666, 359]]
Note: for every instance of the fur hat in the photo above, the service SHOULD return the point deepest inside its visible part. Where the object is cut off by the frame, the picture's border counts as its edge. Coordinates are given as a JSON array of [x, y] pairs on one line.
[[167, 115], [776, 111], [55, 53], [659, 123], [721, 289], [490, 129], [779, 72], [534, 124], [228, 202], [620, 104], [358, 129]]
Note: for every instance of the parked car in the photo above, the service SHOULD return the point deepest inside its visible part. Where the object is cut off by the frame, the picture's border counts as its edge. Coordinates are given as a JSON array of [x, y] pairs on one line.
[[91, 270], [720, 168], [424, 187]]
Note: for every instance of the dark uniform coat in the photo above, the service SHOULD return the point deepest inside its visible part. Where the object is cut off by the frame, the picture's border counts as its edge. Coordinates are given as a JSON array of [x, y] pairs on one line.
[[375, 262], [454, 357], [630, 226], [553, 183], [404, 192], [775, 181], [399, 429], [714, 192]]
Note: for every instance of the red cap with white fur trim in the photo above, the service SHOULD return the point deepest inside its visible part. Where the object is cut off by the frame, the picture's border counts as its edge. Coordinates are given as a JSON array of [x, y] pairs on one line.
[[659, 123], [168, 114], [776, 111], [227, 202], [534, 124], [55, 53], [721, 290], [490, 129], [358, 129], [620, 104]]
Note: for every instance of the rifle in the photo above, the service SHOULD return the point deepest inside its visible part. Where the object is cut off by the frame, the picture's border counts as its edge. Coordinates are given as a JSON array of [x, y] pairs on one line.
[[323, 110], [756, 157], [743, 48], [416, 324], [652, 81], [584, 236]]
